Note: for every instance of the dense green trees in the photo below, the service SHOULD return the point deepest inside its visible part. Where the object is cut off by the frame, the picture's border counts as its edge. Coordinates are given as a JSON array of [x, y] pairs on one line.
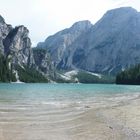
[[6, 74], [89, 78], [129, 76], [30, 75], [26, 74]]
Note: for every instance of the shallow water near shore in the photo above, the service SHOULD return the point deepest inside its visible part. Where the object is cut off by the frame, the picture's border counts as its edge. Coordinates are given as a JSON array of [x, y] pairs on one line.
[[61, 93], [64, 111]]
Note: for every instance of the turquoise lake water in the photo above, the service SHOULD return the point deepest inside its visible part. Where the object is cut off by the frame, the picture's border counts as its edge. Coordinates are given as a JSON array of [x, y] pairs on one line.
[[60, 93]]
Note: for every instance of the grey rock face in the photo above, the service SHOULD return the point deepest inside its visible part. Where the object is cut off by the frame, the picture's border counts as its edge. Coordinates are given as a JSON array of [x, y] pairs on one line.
[[113, 42], [61, 41], [4, 30], [15, 45], [18, 45], [109, 46], [43, 61]]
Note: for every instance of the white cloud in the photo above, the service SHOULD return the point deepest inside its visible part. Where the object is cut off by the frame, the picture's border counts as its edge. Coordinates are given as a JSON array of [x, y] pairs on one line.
[[45, 17]]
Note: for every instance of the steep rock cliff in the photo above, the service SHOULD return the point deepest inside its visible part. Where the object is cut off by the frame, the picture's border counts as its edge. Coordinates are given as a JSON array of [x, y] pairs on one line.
[[109, 46], [61, 41], [17, 45], [16, 56]]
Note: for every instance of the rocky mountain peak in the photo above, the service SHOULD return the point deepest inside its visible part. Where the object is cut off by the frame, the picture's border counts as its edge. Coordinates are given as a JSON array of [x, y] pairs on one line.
[[82, 25], [17, 56], [122, 10], [109, 46], [58, 43], [4, 31], [118, 15], [17, 44], [17, 38], [2, 20], [22, 30]]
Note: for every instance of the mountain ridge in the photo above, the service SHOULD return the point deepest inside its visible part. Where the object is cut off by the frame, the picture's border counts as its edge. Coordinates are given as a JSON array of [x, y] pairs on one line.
[[16, 56], [65, 38], [102, 47], [109, 46]]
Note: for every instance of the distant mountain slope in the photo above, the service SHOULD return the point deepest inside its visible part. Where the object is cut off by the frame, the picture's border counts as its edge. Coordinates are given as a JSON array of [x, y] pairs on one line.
[[58, 44], [80, 76], [114, 42], [109, 46]]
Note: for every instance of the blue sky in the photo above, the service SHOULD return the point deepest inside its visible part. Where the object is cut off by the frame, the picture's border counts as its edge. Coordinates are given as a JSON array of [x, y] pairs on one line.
[[46, 17]]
